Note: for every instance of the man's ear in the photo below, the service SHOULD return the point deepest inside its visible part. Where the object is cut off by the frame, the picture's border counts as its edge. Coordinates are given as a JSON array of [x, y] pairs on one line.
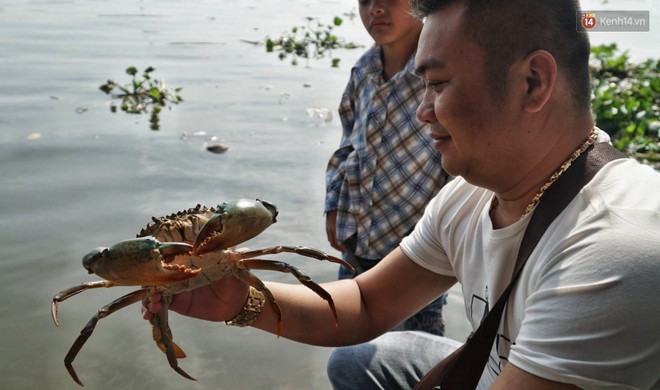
[[541, 73]]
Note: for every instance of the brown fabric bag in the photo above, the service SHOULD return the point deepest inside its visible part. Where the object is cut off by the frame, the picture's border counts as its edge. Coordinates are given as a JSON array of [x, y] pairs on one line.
[[463, 368]]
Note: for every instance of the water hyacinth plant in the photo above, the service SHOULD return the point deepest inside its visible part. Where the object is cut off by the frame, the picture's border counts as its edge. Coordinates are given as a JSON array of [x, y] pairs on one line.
[[142, 95], [626, 101], [315, 40]]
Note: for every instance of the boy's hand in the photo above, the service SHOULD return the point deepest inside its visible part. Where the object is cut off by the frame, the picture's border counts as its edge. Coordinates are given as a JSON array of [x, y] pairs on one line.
[[331, 231]]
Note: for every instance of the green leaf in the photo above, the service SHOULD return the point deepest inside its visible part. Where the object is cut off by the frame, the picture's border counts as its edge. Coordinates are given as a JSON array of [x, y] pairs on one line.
[[155, 94], [107, 88]]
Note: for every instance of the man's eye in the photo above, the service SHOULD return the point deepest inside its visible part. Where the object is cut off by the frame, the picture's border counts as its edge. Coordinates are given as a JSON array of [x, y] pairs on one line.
[[433, 84]]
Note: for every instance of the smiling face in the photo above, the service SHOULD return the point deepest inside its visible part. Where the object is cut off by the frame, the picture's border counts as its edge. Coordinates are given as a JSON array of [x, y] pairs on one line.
[[476, 135], [388, 21]]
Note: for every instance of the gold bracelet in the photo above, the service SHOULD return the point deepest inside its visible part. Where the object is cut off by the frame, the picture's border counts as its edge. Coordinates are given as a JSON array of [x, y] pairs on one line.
[[246, 317]]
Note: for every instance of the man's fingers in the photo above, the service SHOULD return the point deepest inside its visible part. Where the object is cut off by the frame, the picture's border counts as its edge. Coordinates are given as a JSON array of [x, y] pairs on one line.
[[150, 305], [146, 314]]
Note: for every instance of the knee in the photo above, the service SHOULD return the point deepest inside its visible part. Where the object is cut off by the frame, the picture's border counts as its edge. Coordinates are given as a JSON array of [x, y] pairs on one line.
[[395, 360], [335, 363], [376, 365], [345, 368]]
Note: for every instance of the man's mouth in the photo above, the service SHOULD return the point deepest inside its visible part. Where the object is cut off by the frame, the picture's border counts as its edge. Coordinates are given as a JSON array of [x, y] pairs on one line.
[[439, 139], [436, 135]]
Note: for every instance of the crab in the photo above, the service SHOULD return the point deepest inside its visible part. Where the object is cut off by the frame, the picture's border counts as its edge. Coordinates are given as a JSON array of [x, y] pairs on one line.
[[181, 252]]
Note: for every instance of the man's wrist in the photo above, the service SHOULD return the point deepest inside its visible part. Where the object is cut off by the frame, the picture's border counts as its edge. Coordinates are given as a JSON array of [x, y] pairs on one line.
[[251, 310]]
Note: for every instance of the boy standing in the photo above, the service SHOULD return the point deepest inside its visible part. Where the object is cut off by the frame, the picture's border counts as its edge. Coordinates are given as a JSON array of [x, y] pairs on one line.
[[385, 171]]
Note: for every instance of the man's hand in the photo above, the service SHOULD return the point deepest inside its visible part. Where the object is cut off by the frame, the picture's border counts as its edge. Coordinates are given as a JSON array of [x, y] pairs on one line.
[[219, 301]]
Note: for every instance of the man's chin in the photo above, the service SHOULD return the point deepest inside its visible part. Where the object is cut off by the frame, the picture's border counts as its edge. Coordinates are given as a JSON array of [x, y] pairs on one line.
[[449, 166]]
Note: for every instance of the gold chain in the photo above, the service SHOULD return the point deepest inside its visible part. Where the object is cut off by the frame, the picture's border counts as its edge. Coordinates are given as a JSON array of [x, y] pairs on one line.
[[590, 141]]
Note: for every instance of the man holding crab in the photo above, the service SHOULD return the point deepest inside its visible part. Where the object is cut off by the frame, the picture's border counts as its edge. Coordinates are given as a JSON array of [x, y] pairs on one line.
[[507, 96]]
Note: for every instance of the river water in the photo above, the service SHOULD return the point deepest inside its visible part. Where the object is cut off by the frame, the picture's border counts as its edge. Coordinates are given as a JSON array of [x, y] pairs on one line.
[[76, 176]]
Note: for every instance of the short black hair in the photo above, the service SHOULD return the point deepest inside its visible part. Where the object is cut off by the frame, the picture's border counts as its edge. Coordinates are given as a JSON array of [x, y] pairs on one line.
[[510, 29]]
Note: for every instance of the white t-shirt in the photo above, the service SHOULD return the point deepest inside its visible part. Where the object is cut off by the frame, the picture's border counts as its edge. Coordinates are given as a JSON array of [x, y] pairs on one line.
[[586, 309]]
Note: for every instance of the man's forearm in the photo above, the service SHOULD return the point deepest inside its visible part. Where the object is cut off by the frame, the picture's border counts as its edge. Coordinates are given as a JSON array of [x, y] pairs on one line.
[[307, 318]]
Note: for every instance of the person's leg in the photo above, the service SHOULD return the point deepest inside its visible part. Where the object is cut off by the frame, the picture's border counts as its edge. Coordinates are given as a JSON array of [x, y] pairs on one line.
[[359, 264], [350, 258], [395, 360], [345, 272]]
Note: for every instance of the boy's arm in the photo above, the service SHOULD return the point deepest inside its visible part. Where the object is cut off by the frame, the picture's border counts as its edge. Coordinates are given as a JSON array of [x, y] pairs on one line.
[[331, 231], [335, 171]]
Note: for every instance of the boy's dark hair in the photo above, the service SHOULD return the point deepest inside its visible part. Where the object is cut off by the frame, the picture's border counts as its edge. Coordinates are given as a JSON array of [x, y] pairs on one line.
[[510, 29]]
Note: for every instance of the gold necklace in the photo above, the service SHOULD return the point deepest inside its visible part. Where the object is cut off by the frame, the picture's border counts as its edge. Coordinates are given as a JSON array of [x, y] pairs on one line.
[[537, 198]]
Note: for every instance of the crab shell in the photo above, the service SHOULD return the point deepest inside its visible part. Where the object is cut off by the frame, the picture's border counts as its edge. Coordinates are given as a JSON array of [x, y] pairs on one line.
[[213, 229]]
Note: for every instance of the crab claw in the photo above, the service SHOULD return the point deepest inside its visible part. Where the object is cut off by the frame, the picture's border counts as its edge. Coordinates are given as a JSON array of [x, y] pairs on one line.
[[234, 223], [142, 261], [170, 250]]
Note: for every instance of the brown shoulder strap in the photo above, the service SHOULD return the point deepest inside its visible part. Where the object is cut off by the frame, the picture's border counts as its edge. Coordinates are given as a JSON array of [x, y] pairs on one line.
[[464, 373]]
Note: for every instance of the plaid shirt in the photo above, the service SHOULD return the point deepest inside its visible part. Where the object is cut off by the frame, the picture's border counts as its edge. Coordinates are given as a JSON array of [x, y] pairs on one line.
[[385, 170]]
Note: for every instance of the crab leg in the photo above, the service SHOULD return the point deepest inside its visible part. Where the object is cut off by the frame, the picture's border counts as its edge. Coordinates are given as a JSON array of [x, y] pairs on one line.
[[163, 336], [271, 265], [103, 312], [71, 291], [300, 250]]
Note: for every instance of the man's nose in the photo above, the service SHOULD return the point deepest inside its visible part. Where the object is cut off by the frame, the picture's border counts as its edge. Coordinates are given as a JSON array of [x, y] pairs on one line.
[[425, 112]]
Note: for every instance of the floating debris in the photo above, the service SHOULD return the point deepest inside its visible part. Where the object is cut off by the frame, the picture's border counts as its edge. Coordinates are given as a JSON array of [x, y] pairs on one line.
[[255, 43], [217, 148], [210, 141], [321, 113], [194, 134], [284, 96]]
